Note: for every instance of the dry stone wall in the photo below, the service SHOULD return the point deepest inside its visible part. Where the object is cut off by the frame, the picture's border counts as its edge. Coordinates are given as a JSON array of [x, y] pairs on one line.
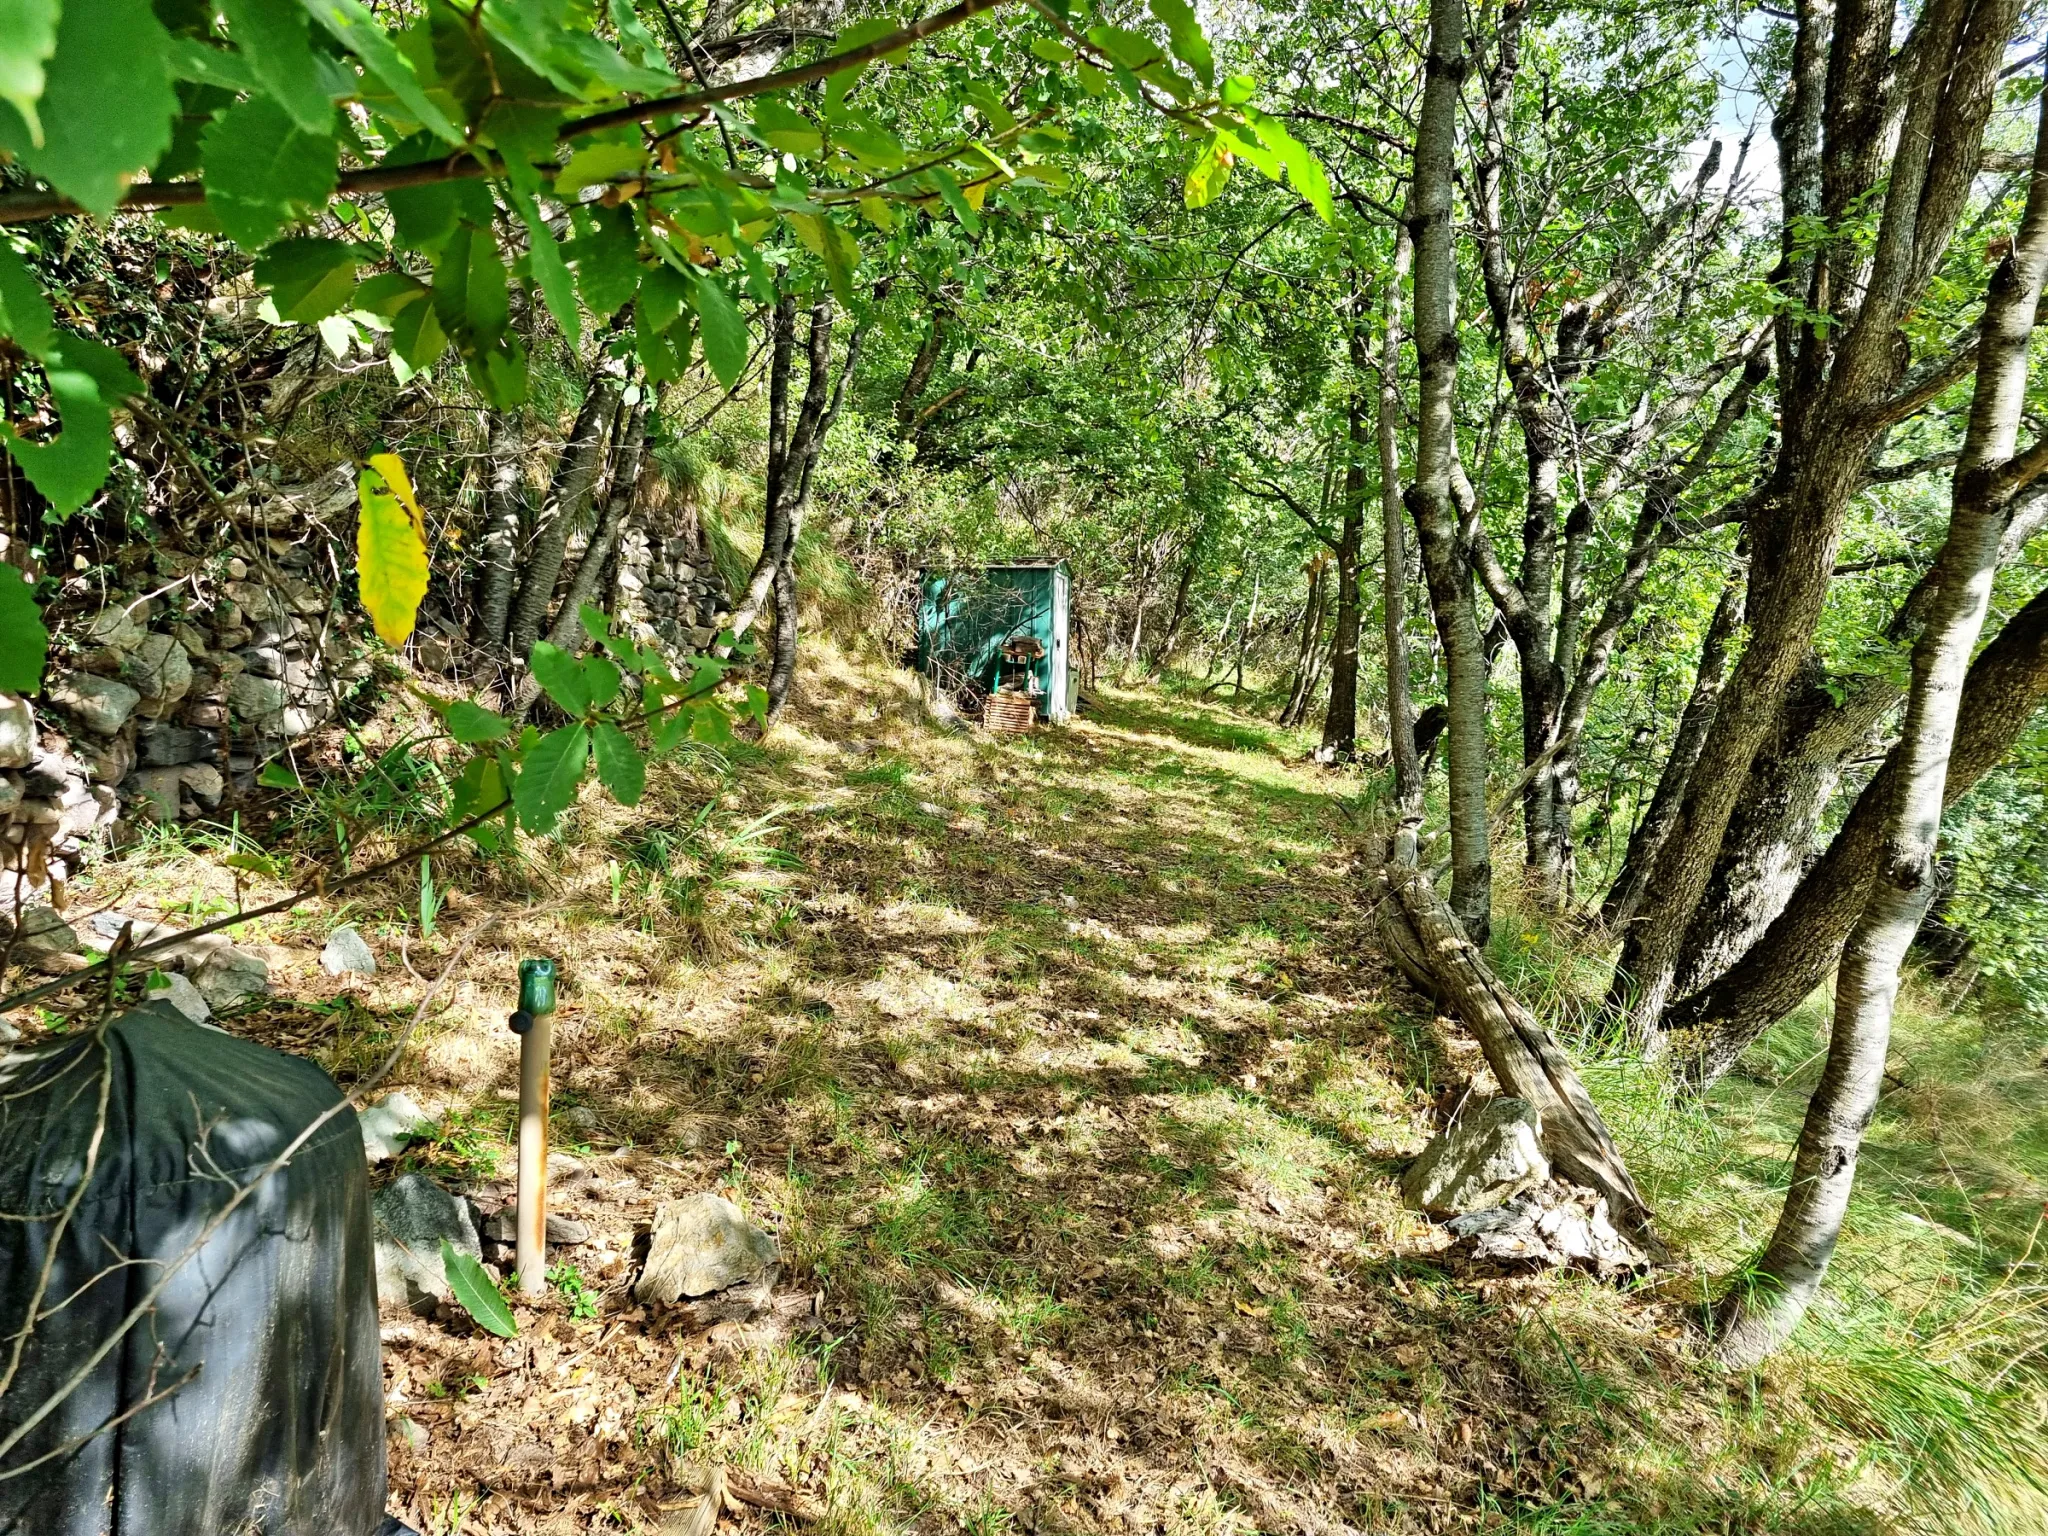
[[165, 695]]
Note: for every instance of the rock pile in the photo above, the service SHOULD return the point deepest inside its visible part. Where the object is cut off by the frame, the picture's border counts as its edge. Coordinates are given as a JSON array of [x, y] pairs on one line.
[[164, 698], [1553, 1226], [161, 703], [669, 590]]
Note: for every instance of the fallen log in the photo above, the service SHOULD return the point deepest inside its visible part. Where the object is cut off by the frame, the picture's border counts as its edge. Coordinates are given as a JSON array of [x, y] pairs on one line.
[[1427, 942]]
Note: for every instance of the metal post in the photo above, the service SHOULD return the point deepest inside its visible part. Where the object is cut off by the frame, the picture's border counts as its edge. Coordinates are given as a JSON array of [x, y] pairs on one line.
[[534, 1023]]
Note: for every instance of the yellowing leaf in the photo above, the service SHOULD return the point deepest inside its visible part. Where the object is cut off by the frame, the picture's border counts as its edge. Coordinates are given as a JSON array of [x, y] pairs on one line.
[[391, 547]]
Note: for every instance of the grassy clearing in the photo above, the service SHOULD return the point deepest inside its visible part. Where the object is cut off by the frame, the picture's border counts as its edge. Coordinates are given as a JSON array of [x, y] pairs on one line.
[[1068, 1076]]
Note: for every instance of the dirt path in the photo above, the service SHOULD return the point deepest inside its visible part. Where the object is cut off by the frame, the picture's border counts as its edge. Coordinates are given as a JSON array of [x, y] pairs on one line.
[[1064, 1073]]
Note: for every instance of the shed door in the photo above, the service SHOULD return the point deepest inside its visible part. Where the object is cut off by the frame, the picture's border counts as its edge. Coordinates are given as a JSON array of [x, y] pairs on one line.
[[1059, 701]]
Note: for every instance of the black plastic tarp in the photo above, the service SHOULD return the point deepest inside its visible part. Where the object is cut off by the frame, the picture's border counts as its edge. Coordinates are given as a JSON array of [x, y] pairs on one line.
[[262, 1346]]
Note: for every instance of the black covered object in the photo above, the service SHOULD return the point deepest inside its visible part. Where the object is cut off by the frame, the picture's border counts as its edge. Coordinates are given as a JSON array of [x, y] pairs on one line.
[[279, 1429]]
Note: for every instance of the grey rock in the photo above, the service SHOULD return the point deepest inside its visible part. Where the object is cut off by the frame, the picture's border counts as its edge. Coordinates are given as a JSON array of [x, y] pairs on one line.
[[119, 628], [578, 1117], [436, 654], [169, 746], [390, 1123], [264, 660], [256, 601], [412, 1216], [10, 792], [205, 783], [1552, 1226], [1488, 1158], [158, 669], [230, 976], [97, 703], [409, 1432], [256, 698], [110, 760], [702, 1244], [194, 639], [43, 932], [158, 793], [347, 954], [8, 1033], [17, 732], [179, 992]]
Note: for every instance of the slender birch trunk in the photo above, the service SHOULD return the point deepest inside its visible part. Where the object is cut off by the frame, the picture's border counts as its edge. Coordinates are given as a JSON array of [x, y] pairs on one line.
[[1757, 1316]]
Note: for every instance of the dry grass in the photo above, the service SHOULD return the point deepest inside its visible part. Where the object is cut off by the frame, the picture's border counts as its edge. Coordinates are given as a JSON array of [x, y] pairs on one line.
[[1067, 1075]]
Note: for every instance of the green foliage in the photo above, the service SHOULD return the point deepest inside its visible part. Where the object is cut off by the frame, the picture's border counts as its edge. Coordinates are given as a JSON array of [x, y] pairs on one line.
[[576, 1290], [24, 642], [513, 116], [477, 1292]]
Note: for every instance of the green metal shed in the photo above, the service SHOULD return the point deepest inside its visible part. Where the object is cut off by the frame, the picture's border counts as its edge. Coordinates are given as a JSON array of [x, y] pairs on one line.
[[966, 616]]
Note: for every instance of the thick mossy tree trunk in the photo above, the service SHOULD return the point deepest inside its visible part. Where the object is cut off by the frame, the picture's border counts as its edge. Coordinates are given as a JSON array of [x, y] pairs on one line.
[[1429, 499], [2008, 684], [1765, 849], [1841, 384], [1760, 1313], [1625, 895]]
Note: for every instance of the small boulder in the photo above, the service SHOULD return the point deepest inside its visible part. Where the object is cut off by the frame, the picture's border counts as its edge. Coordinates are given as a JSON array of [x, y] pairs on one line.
[[158, 793], [1488, 1158], [17, 732], [346, 954], [205, 784], [229, 976], [390, 1123], [119, 628], [171, 746], [1552, 1226], [702, 1244], [97, 703], [158, 668], [179, 992], [43, 932], [412, 1216]]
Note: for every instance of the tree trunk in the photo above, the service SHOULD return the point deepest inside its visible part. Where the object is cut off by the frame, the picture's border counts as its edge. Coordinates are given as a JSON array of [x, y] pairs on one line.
[[1834, 397], [782, 662], [1401, 748], [1772, 831], [575, 480], [626, 488], [2008, 683], [1306, 647], [1644, 844], [1436, 449], [504, 518], [1340, 717], [774, 503], [1758, 1316], [1430, 945]]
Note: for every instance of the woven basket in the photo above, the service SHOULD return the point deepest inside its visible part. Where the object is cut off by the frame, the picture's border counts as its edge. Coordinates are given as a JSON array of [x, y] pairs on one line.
[[1009, 714]]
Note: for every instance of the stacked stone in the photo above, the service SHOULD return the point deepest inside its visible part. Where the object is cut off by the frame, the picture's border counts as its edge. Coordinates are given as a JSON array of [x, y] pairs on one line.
[[168, 698], [669, 591]]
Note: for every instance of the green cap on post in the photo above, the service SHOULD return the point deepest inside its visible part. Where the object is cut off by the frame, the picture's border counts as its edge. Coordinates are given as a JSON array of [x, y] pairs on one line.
[[537, 987]]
